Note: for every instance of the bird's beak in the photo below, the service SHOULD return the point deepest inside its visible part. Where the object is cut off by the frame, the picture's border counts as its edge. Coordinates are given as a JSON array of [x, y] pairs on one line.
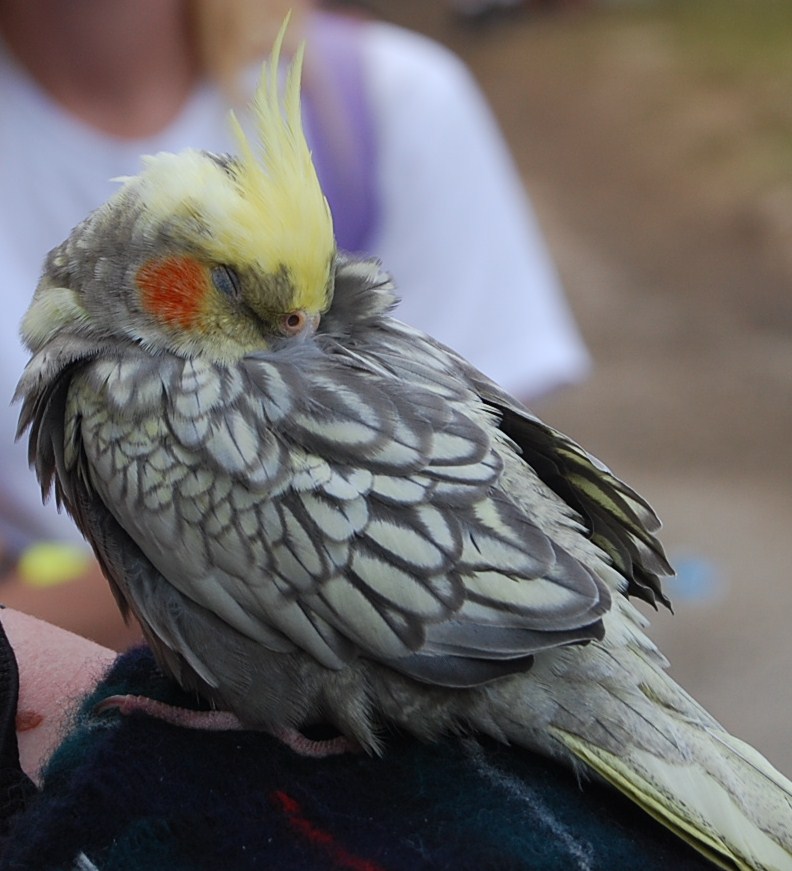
[[311, 325]]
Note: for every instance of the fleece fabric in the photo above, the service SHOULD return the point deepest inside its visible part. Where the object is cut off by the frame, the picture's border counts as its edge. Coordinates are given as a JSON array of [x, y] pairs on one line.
[[131, 792]]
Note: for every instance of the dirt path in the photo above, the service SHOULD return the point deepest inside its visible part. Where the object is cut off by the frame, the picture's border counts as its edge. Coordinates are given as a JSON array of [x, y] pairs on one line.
[[675, 253]]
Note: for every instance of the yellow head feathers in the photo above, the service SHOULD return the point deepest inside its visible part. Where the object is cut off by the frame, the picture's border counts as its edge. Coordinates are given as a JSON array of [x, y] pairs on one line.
[[267, 210]]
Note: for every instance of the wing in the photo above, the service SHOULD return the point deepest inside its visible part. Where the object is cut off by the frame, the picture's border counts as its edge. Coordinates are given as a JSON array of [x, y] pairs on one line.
[[617, 519], [325, 503]]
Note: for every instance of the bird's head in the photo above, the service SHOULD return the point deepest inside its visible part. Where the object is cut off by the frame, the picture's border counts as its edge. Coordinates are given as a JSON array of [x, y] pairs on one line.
[[202, 254]]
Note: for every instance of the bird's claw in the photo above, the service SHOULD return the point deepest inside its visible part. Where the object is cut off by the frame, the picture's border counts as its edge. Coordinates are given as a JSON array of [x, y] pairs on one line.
[[220, 721]]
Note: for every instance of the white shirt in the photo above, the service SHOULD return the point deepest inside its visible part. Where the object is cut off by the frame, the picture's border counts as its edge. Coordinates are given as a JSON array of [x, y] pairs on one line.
[[456, 231]]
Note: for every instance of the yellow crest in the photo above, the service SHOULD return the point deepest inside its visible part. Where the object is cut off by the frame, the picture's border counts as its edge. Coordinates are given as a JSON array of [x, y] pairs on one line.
[[267, 210], [280, 181]]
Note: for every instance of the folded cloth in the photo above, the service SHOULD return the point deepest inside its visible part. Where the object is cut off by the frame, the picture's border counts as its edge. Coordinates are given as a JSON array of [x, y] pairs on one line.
[[132, 792]]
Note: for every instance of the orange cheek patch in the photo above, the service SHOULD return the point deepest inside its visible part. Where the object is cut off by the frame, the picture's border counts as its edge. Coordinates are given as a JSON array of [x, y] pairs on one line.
[[174, 289]]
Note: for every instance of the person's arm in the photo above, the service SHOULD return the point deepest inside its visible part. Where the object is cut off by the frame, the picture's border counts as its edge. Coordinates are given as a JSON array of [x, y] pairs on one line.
[[56, 669]]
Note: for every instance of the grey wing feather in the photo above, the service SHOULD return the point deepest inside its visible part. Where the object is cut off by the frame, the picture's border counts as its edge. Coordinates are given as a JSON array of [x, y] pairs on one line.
[[190, 641], [349, 497], [445, 570], [618, 519], [398, 548]]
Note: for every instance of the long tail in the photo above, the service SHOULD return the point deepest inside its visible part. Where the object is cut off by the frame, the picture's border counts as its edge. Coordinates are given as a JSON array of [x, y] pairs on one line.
[[613, 707], [728, 802]]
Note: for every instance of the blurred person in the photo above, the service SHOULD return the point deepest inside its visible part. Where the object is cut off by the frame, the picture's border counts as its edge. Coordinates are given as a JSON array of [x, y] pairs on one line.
[[413, 165]]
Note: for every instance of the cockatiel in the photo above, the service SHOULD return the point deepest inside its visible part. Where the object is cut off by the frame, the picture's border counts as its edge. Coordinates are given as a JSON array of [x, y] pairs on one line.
[[318, 513]]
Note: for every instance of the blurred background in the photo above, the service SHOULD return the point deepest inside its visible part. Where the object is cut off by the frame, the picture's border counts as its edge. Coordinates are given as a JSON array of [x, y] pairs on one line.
[[655, 139]]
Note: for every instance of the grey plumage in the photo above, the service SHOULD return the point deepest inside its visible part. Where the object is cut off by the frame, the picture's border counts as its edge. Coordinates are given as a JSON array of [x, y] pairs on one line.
[[333, 501], [356, 528], [353, 524]]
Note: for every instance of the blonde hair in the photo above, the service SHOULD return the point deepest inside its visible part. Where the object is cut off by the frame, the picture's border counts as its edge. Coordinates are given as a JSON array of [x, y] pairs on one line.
[[230, 34]]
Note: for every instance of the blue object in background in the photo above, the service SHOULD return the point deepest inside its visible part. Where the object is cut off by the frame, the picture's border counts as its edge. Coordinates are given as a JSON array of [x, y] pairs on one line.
[[698, 580]]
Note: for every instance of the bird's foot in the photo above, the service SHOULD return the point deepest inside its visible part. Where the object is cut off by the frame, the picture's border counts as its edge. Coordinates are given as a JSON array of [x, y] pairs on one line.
[[220, 721], [304, 746], [217, 721]]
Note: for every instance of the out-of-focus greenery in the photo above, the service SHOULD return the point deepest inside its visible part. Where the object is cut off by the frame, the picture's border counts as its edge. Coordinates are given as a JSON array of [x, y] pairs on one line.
[[712, 79], [742, 50], [699, 88], [732, 37]]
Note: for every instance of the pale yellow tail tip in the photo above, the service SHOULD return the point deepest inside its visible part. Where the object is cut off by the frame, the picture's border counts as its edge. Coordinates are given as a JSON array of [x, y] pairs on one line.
[[694, 805]]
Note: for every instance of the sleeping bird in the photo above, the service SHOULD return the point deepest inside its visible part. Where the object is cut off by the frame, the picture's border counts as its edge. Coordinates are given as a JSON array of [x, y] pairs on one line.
[[319, 514]]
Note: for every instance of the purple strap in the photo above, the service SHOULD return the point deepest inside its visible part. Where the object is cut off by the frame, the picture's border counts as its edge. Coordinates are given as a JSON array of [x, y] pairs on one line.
[[340, 125]]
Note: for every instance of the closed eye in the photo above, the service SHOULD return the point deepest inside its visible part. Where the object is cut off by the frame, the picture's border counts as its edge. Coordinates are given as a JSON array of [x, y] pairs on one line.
[[226, 280]]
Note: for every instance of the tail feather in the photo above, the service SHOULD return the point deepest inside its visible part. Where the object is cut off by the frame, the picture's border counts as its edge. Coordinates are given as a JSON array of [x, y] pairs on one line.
[[737, 811]]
